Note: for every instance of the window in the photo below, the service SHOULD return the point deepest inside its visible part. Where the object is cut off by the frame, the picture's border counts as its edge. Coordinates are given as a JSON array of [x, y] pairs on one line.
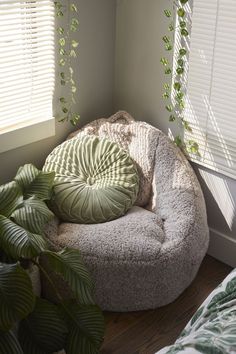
[[211, 88], [26, 70]]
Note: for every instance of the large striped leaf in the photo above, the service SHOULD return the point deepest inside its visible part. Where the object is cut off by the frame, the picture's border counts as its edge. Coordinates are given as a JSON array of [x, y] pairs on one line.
[[68, 263], [35, 182], [10, 196], [9, 344], [44, 331], [32, 214], [18, 242], [86, 329], [16, 295]]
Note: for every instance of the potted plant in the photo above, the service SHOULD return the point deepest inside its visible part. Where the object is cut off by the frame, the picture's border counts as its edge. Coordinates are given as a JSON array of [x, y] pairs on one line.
[[43, 327]]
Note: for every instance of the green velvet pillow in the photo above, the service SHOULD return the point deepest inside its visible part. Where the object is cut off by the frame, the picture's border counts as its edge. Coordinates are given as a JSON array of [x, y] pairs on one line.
[[96, 180]]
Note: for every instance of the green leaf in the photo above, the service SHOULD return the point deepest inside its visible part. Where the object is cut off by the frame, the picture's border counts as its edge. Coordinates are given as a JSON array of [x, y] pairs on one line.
[[178, 141], [18, 242], [62, 100], [171, 27], [35, 182], [177, 86], [74, 44], [166, 95], [73, 8], [166, 86], [180, 62], [181, 12], [75, 119], [182, 52], [62, 42], [44, 330], [164, 61], [32, 214], [183, 1], [193, 147], [73, 28], [182, 24], [62, 62], [64, 110], [187, 126], [63, 119], [60, 30], [9, 344], [16, 295], [166, 39], [68, 263], [74, 21], [197, 315], [172, 118], [72, 53], [86, 329], [184, 32], [10, 196], [179, 95], [168, 71], [168, 13], [60, 14], [62, 51], [169, 108], [180, 70], [57, 5], [168, 46]]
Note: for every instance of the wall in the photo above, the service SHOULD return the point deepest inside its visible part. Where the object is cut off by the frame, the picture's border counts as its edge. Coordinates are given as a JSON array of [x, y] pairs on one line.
[[96, 80], [138, 88]]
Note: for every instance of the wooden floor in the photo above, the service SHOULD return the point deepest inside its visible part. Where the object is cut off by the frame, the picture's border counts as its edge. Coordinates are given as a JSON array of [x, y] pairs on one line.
[[148, 331]]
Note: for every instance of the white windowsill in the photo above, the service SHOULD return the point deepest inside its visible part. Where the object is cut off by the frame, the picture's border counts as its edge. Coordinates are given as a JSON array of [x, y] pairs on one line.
[[26, 134]]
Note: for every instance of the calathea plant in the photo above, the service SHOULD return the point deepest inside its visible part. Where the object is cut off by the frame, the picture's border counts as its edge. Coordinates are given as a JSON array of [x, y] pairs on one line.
[[30, 324]]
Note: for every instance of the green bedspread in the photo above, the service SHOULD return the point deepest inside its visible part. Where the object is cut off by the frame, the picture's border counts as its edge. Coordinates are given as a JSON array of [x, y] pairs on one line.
[[212, 330]]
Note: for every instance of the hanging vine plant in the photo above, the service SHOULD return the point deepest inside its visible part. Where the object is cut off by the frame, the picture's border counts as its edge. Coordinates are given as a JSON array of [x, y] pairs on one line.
[[68, 48], [174, 87]]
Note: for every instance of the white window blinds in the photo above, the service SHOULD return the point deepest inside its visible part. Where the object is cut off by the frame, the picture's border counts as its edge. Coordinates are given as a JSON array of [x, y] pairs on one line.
[[211, 89], [26, 62]]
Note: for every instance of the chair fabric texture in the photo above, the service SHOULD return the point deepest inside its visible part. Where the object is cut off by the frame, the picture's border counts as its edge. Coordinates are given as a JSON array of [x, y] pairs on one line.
[[148, 257], [95, 180]]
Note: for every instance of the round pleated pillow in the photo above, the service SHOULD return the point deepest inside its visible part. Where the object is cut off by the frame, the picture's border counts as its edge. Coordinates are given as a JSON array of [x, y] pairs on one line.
[[96, 181]]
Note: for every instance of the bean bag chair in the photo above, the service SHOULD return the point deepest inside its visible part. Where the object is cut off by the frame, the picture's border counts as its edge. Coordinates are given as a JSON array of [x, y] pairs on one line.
[[146, 258]]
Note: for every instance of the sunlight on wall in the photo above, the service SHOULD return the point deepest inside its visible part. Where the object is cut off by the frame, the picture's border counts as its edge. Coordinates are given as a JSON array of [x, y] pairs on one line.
[[222, 195]]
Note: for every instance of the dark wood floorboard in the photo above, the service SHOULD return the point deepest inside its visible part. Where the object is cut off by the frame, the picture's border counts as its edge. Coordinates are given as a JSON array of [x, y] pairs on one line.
[[146, 332]]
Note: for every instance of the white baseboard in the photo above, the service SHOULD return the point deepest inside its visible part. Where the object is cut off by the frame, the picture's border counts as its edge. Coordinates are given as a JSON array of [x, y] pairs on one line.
[[222, 247]]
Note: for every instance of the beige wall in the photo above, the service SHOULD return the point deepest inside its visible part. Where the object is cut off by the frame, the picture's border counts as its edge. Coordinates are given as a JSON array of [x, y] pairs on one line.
[[96, 73], [139, 80]]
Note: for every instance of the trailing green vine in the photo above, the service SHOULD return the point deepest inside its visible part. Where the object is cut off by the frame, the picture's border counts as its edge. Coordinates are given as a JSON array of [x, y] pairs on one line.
[[174, 88], [68, 48]]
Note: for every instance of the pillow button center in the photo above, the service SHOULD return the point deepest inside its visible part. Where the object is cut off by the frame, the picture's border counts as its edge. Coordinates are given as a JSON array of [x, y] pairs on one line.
[[90, 181]]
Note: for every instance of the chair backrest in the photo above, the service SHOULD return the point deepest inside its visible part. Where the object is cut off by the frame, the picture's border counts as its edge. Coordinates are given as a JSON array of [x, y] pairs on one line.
[[138, 138]]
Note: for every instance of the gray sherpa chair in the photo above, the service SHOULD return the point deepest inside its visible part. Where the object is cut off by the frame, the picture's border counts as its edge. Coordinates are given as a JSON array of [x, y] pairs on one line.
[[146, 258]]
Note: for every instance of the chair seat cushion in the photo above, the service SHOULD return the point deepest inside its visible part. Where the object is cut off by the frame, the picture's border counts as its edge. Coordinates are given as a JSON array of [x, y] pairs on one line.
[[135, 237], [96, 180]]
